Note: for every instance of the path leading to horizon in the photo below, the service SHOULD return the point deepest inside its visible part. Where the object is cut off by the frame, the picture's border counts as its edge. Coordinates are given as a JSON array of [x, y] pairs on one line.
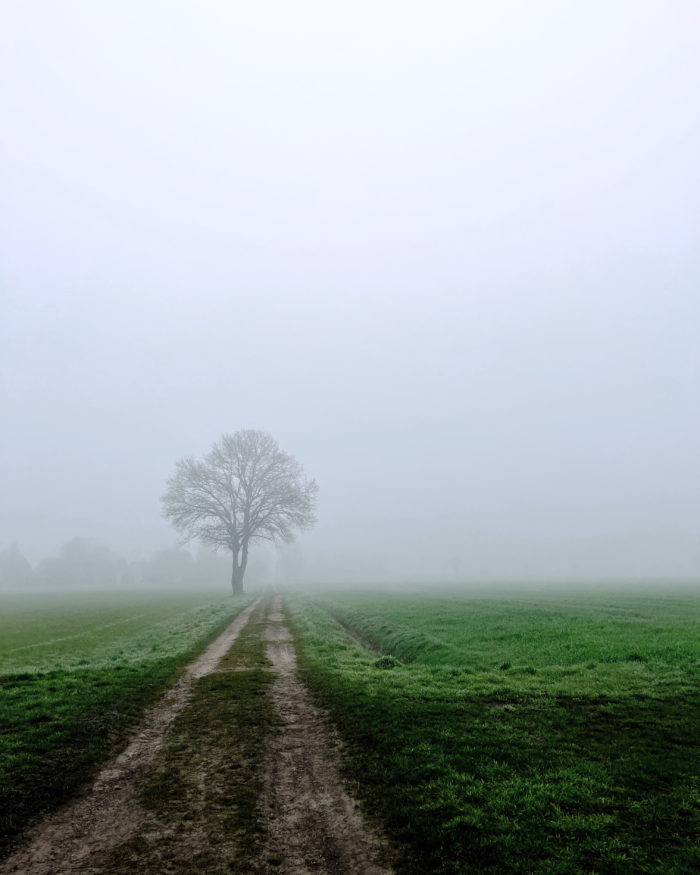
[[314, 824], [302, 818]]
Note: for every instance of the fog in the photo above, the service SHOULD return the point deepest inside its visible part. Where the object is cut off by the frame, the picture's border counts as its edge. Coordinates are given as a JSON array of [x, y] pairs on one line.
[[447, 254]]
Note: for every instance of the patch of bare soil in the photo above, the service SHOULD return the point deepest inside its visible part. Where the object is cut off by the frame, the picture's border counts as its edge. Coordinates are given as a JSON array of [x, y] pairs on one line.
[[313, 823], [77, 836]]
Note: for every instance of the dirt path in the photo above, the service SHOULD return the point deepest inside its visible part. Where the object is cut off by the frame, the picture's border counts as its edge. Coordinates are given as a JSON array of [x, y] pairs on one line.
[[107, 813], [247, 778], [313, 824]]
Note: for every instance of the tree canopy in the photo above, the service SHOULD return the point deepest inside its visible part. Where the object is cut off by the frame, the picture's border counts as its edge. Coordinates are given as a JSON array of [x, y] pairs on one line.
[[244, 489]]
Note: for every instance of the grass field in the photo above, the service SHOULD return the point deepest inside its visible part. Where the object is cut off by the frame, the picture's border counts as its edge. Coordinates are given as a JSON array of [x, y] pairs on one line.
[[533, 732], [525, 732], [76, 671]]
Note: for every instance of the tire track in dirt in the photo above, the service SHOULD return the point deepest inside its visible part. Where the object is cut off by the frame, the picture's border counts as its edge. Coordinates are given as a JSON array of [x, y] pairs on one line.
[[313, 823], [107, 813]]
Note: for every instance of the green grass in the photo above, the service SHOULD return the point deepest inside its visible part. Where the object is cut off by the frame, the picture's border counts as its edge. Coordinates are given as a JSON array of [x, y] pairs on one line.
[[41, 632], [560, 642], [76, 672], [527, 734]]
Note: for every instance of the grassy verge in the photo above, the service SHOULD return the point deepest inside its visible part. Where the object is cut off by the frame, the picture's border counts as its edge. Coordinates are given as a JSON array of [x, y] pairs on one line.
[[202, 797], [56, 726], [489, 765]]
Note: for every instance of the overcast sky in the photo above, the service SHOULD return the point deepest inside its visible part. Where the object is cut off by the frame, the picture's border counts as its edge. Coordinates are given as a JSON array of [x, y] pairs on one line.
[[448, 254]]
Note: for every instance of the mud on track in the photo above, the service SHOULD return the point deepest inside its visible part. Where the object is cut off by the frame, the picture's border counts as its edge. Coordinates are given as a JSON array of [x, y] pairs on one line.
[[107, 813], [313, 823]]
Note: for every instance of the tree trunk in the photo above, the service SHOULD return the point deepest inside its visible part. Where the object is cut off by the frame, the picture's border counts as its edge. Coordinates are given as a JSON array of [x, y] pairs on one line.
[[236, 576]]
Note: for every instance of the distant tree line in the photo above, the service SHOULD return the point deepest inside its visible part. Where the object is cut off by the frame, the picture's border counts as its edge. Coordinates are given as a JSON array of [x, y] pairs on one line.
[[244, 490], [86, 563]]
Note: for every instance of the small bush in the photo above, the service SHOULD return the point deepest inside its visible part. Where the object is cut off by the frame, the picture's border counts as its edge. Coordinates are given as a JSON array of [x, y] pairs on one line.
[[386, 662]]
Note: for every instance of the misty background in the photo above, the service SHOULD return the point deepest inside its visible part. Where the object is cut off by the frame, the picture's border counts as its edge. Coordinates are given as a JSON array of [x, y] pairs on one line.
[[447, 254]]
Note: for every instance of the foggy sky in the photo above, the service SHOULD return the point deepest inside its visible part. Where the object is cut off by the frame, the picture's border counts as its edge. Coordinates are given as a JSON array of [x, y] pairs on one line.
[[446, 253]]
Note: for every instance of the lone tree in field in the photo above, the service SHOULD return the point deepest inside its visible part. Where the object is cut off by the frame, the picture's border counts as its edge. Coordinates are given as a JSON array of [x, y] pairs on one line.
[[245, 489]]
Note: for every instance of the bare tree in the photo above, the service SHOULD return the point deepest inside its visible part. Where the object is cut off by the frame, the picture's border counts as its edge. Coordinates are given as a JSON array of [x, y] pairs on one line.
[[245, 489]]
